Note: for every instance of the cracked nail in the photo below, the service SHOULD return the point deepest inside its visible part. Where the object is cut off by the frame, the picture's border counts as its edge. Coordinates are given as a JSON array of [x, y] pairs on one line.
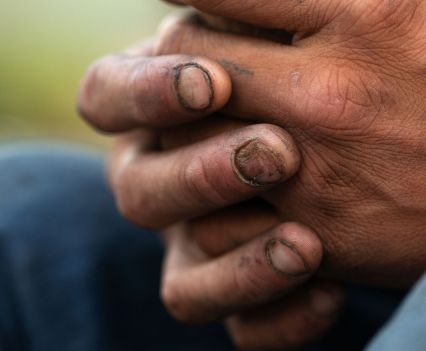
[[257, 164], [194, 87], [285, 259]]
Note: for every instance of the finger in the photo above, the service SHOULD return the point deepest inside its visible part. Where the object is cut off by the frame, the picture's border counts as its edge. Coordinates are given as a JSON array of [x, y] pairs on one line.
[[232, 26], [301, 318], [260, 271], [293, 16], [284, 85], [190, 133], [155, 189], [229, 228], [121, 92]]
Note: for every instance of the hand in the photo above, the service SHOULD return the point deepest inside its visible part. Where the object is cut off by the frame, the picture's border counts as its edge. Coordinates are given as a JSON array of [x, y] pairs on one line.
[[134, 91], [233, 275], [351, 91], [206, 279], [199, 288], [354, 103]]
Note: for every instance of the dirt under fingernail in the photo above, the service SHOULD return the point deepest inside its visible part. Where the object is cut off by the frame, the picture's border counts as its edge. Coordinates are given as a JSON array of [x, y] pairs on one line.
[[257, 164]]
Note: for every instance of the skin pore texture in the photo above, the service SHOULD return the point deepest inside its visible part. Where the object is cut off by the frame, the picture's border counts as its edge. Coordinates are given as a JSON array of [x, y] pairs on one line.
[[357, 143]]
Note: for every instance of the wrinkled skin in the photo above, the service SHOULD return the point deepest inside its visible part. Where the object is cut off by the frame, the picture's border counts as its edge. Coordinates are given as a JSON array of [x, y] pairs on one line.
[[349, 91], [352, 95], [220, 266]]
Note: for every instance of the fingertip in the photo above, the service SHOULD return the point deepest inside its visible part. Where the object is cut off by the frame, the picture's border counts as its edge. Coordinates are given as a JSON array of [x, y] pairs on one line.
[[201, 85], [282, 141], [218, 76], [221, 83], [302, 241]]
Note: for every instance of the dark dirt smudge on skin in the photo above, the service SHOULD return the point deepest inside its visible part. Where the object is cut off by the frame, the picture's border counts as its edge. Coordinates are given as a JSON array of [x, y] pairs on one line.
[[236, 68]]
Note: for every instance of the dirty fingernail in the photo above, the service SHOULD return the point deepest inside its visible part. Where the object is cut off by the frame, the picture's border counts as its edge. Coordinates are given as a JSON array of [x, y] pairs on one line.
[[194, 87], [285, 259], [257, 164], [325, 302]]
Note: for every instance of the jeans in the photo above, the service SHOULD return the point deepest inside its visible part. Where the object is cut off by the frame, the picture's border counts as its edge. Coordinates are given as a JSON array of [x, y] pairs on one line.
[[76, 276]]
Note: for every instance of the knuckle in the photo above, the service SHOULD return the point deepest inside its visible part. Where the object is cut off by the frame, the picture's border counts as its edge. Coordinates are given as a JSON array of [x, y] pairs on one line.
[[340, 97], [201, 182], [174, 301], [133, 205]]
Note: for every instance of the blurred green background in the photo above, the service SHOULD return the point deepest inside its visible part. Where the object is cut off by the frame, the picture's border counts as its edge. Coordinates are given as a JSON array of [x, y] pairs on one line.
[[46, 46]]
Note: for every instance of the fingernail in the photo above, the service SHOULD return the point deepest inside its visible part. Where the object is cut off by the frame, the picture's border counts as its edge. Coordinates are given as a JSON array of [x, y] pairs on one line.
[[257, 164], [285, 259], [325, 302], [194, 87]]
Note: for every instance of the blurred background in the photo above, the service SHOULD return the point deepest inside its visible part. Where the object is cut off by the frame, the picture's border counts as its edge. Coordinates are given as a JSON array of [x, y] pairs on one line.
[[46, 46]]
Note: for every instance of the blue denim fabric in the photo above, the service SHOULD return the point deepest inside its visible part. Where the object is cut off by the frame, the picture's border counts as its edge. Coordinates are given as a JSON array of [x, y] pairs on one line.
[[407, 330], [75, 276]]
